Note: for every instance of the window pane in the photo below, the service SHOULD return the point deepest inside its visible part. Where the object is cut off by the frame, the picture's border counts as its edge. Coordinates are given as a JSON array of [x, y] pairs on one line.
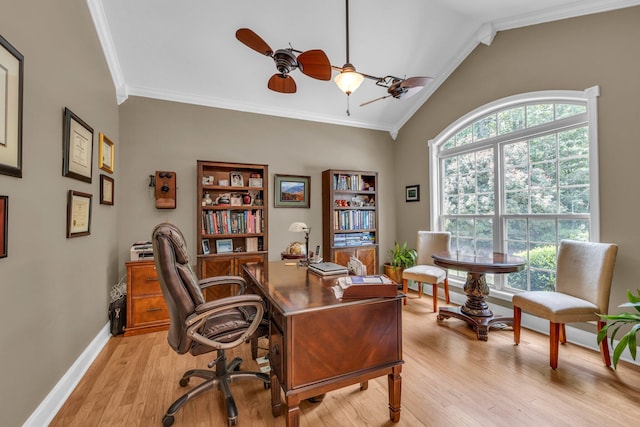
[[543, 175], [568, 110], [539, 114], [574, 142], [574, 171], [516, 229], [574, 229], [510, 120], [451, 205], [544, 201], [541, 149], [464, 136], [516, 154], [542, 231], [542, 280], [516, 178], [467, 204], [517, 202], [451, 143], [465, 227], [574, 200], [484, 128], [485, 203]]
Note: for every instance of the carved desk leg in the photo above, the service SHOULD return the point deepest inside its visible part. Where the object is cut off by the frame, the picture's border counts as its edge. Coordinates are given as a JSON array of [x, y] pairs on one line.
[[395, 387], [276, 403], [293, 411]]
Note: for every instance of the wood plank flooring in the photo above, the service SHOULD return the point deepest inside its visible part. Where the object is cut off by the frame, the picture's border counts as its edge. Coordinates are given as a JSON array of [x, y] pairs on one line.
[[449, 378]]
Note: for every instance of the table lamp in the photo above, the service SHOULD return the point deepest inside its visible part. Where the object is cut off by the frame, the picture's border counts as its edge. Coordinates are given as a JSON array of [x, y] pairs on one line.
[[298, 227]]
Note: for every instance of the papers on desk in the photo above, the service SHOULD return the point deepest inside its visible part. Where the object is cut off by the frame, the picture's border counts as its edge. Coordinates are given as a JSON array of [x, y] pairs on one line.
[[327, 268], [365, 287]]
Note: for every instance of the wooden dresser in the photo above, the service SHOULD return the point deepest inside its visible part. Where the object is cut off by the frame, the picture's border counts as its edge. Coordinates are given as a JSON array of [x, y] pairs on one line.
[[146, 309]]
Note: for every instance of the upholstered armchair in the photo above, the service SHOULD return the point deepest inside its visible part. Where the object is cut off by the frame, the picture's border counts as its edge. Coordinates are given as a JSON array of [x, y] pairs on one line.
[[583, 283], [199, 327]]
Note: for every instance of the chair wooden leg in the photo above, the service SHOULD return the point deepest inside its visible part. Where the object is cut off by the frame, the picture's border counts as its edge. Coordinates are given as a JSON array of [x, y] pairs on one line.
[[563, 334], [554, 340], [517, 318], [604, 346], [446, 291], [435, 297], [405, 289], [419, 289]]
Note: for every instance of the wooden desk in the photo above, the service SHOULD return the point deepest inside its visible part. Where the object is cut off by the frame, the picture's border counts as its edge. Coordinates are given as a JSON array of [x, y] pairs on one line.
[[475, 311], [318, 343]]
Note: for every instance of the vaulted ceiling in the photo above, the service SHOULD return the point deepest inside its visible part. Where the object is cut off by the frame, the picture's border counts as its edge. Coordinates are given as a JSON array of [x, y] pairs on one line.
[[186, 50]]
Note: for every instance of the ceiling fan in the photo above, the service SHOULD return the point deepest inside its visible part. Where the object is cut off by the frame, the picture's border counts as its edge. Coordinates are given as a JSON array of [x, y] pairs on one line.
[[349, 79], [314, 63]]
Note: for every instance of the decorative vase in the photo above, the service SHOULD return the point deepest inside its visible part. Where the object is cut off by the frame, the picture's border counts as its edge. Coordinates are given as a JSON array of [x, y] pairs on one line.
[[207, 200]]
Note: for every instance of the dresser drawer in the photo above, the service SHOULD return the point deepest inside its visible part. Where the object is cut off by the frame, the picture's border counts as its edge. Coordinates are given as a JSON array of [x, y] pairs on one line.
[[149, 310], [144, 281]]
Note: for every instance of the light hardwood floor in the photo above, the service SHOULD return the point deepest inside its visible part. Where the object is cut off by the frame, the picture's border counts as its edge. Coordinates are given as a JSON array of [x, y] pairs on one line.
[[449, 379]]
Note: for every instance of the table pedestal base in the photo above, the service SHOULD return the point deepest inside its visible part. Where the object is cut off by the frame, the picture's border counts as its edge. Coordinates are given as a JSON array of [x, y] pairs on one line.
[[480, 324]]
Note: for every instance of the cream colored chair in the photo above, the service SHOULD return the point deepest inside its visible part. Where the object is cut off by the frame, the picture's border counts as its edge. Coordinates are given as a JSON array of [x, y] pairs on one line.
[[425, 271], [583, 284]]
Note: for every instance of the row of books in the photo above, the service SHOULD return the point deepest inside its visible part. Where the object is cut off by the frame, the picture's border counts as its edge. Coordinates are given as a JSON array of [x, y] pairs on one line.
[[354, 220], [353, 239], [232, 222], [350, 183]]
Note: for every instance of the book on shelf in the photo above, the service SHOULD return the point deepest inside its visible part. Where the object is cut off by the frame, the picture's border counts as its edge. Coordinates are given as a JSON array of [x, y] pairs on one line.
[[251, 244], [327, 268]]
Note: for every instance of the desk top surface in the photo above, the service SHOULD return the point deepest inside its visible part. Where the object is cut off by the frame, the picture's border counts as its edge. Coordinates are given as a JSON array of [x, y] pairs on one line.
[[294, 289], [495, 262]]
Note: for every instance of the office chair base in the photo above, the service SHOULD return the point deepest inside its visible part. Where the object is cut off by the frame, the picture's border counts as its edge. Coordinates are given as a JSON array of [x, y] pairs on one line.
[[221, 379]]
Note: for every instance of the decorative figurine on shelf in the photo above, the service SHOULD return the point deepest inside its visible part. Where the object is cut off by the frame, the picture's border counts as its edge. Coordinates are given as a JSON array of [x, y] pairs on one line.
[[207, 200]]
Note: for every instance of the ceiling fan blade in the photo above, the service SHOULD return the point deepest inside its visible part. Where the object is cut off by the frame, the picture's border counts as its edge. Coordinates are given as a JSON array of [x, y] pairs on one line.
[[374, 100], [282, 83], [415, 82], [254, 41], [314, 63]]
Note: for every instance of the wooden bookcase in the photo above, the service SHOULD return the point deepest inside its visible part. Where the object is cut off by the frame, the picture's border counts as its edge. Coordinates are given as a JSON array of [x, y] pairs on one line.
[[235, 222], [350, 217]]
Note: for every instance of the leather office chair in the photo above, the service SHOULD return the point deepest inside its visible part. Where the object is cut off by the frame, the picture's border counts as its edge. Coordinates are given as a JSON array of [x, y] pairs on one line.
[[199, 327], [583, 282], [425, 271]]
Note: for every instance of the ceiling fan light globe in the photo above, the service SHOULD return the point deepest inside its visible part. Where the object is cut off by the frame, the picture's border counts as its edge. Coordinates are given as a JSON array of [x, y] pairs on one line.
[[348, 80]]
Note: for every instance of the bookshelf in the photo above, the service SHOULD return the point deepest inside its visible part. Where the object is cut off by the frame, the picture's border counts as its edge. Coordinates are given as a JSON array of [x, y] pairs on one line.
[[350, 217], [231, 217]]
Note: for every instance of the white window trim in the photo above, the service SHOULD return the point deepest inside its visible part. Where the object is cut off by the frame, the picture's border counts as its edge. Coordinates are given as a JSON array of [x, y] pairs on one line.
[[590, 96]]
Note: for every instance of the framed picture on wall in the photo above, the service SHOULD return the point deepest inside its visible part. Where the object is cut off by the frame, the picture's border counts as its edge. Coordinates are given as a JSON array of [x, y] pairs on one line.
[[292, 191], [412, 193], [11, 82], [105, 153], [77, 147], [224, 246], [4, 225], [106, 190], [78, 214]]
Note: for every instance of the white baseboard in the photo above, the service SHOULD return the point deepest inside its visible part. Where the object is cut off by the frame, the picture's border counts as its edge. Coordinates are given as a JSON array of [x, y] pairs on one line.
[[51, 404]]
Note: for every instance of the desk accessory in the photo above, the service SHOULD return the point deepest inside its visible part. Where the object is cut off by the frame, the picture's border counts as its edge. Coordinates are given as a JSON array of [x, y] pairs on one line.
[[327, 268]]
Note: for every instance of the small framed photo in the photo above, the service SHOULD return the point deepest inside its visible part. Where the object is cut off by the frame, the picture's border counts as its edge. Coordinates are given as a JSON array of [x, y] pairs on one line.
[[11, 84], [205, 247], [106, 190], [236, 200], [224, 246], [292, 191], [105, 154], [77, 147], [236, 179], [78, 214], [255, 180], [412, 193], [4, 225]]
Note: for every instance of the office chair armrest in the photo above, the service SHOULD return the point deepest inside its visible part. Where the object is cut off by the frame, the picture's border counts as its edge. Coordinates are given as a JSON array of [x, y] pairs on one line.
[[211, 308], [224, 280]]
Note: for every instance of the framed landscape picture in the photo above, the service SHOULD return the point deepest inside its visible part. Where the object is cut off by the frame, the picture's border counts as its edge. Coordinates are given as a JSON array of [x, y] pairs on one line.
[[412, 193], [292, 191]]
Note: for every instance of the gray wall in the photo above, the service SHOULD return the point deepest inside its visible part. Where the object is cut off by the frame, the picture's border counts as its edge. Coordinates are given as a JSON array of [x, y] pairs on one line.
[[162, 135], [572, 54], [54, 290]]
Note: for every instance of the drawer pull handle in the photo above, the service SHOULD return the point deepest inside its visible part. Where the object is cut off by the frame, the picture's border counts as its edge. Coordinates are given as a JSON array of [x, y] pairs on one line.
[[152, 279], [154, 309]]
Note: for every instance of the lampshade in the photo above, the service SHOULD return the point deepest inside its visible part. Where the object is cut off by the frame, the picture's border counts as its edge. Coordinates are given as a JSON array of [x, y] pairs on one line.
[[298, 227], [348, 80]]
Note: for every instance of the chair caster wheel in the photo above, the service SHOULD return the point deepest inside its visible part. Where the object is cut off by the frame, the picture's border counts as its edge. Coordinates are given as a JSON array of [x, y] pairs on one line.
[[183, 383], [167, 420], [232, 422]]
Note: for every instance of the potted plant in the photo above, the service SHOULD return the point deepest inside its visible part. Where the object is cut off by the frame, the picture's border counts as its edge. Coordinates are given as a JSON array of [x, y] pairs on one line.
[[628, 339], [400, 257]]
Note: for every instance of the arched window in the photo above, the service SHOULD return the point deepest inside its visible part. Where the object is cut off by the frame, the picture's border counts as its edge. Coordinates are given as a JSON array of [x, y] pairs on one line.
[[517, 176]]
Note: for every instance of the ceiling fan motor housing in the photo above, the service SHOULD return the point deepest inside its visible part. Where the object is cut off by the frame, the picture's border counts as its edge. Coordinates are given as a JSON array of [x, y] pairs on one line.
[[285, 61]]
